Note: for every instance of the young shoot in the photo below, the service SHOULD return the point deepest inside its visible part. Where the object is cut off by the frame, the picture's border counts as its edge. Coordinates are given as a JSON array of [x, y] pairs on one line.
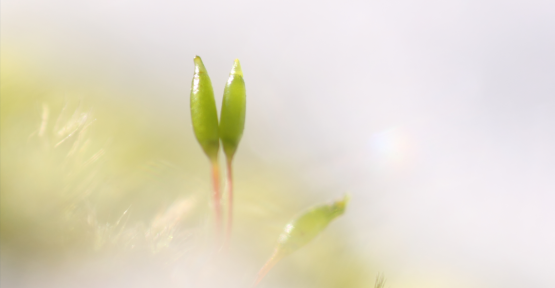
[[204, 116], [232, 124], [302, 230]]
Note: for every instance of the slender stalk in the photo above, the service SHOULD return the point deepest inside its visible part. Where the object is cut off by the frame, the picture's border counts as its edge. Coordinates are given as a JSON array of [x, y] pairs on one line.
[[229, 201], [216, 195], [267, 267]]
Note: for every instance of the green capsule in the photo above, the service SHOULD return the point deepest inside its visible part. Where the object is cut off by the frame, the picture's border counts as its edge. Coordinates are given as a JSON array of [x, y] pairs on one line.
[[232, 120], [203, 111], [308, 225], [302, 230]]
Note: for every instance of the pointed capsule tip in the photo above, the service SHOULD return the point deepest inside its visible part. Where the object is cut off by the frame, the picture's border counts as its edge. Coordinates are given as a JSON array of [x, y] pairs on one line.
[[236, 70], [199, 64]]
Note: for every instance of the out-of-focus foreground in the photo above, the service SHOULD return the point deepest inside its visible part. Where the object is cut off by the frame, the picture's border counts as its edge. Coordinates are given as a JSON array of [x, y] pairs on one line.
[[96, 194]]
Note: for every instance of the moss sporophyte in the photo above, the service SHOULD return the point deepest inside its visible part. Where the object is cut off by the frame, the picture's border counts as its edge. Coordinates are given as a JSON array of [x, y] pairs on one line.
[[302, 229], [204, 116], [232, 124]]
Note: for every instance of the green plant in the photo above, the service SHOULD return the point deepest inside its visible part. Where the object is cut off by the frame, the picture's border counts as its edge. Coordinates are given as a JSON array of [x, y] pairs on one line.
[[204, 116], [300, 230], [232, 124]]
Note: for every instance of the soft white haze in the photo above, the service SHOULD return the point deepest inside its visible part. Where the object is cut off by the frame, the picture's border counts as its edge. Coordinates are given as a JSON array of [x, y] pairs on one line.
[[437, 116]]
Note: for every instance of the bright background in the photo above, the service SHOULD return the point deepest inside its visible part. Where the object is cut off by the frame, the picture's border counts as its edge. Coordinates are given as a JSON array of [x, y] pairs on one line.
[[436, 116]]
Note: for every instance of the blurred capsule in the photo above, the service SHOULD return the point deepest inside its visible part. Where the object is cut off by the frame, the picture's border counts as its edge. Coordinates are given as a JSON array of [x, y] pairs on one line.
[[302, 230], [203, 111], [232, 120], [308, 225]]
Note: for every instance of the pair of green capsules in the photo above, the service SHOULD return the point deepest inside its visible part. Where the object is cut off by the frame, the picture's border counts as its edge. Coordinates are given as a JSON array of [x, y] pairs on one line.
[[229, 129], [205, 116]]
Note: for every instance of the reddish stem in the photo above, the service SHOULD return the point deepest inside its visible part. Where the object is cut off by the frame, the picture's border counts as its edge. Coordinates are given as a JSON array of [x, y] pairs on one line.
[[266, 268], [229, 201], [216, 196]]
